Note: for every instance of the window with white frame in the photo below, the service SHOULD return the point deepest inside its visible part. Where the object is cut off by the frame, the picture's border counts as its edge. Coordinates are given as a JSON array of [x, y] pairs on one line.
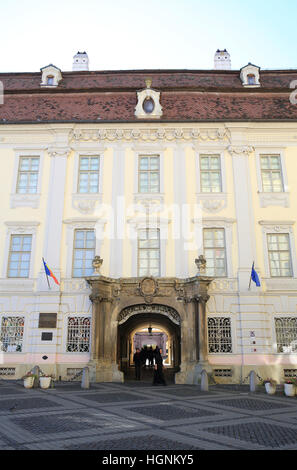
[[215, 251], [19, 256], [12, 333], [83, 252], [27, 181], [219, 335], [149, 174], [149, 252], [279, 255], [271, 172], [78, 334], [88, 175], [210, 174], [286, 334]]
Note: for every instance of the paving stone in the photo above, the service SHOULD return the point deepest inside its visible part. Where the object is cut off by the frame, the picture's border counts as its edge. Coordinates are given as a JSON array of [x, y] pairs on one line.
[[148, 442], [264, 434], [171, 412], [183, 392], [55, 423], [250, 404], [26, 403], [111, 397], [4, 391]]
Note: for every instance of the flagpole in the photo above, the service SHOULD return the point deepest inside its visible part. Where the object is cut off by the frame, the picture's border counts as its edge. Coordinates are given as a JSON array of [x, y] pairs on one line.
[[251, 276], [46, 275]]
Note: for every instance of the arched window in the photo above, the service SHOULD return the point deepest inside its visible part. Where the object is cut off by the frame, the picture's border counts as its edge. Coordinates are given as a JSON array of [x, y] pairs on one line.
[[251, 79], [50, 80]]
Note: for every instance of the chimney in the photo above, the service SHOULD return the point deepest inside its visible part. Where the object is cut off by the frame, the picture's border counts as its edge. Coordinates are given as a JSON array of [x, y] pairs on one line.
[[80, 61], [222, 60]]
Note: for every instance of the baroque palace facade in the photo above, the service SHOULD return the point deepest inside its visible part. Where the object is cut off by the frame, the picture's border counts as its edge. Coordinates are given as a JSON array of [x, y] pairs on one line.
[[126, 182]]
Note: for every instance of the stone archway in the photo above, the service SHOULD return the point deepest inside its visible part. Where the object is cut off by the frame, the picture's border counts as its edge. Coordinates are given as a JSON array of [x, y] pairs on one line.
[[179, 302], [137, 318]]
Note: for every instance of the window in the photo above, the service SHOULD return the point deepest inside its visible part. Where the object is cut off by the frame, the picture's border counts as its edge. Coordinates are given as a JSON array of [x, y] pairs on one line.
[[210, 174], [19, 255], [78, 334], [219, 335], [286, 334], [215, 251], [149, 252], [251, 79], [28, 175], [88, 180], [12, 332], [279, 255], [149, 174], [272, 180], [50, 80], [84, 252]]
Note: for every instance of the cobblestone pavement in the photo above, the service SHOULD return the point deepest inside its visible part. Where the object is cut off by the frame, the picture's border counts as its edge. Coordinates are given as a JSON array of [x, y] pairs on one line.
[[141, 417]]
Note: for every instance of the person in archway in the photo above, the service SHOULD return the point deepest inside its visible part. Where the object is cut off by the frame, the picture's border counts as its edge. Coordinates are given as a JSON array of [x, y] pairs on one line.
[[137, 363], [158, 370], [151, 356]]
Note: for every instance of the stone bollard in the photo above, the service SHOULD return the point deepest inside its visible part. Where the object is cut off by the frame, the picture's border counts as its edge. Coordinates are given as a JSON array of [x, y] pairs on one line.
[[204, 381], [253, 381], [85, 381], [36, 371]]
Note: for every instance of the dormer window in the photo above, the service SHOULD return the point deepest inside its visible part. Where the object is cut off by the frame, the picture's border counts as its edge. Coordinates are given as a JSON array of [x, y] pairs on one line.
[[250, 76], [148, 103], [51, 76]]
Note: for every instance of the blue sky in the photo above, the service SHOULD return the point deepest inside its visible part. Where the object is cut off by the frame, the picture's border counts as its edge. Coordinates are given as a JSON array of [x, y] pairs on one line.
[[145, 34]]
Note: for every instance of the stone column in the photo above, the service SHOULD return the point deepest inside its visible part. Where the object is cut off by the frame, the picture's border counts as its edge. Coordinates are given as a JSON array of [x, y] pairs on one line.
[[103, 362]]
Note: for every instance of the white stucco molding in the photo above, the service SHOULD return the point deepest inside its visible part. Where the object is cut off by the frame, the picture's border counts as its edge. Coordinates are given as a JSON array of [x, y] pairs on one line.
[[272, 199], [20, 228], [155, 134], [26, 200], [154, 96], [235, 150], [79, 223], [57, 151], [278, 226]]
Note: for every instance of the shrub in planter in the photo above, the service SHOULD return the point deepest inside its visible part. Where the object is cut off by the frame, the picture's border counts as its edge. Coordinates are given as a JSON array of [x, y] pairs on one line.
[[270, 386], [290, 387], [29, 379], [45, 381]]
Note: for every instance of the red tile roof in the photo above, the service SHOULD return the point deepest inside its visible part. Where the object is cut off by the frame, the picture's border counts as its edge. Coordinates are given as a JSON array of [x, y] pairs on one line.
[[111, 96]]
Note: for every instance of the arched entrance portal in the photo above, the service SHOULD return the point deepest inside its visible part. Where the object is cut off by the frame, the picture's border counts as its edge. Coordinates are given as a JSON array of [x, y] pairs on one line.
[[149, 325]]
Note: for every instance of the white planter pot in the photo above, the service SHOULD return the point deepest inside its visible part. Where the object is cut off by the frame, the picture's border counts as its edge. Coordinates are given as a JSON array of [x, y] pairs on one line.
[[289, 390], [45, 382], [270, 389], [28, 382]]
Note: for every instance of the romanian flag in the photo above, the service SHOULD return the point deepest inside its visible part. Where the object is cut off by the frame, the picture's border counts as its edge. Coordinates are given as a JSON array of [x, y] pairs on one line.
[[48, 272]]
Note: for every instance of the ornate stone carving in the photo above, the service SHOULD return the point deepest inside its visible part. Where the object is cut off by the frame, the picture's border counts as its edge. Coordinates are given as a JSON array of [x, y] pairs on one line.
[[59, 151], [170, 312], [240, 149], [150, 134], [148, 288], [153, 109], [201, 265], [97, 263]]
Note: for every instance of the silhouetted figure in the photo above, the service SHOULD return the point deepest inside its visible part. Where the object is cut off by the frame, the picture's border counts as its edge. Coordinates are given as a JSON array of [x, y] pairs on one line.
[[158, 370], [151, 356], [137, 362]]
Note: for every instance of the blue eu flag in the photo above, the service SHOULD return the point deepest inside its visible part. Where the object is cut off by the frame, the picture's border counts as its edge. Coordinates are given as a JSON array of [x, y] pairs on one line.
[[255, 276]]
